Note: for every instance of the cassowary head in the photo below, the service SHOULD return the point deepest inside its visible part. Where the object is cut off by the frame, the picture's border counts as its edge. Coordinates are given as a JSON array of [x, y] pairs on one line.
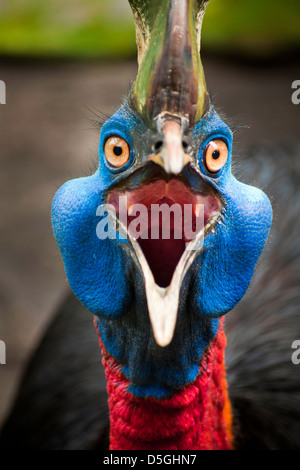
[[158, 297]]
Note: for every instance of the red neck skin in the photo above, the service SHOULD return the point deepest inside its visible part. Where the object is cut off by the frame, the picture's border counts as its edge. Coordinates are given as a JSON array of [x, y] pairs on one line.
[[195, 418]]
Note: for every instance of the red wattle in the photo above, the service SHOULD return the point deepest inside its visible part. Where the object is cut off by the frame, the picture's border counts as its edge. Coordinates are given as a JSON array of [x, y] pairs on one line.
[[195, 418]]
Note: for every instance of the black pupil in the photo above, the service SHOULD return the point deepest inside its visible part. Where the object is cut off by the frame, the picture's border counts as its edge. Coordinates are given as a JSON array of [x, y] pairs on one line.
[[118, 151], [216, 154]]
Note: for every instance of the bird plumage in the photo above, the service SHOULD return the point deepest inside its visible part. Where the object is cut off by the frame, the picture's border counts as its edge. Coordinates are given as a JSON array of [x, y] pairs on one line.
[[160, 336], [62, 403]]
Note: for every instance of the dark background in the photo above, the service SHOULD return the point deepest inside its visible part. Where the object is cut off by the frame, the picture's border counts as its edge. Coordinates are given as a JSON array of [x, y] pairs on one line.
[[63, 61]]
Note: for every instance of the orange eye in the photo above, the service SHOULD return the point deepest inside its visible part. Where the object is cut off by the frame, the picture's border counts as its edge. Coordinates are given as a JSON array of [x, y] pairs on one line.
[[117, 151], [216, 155]]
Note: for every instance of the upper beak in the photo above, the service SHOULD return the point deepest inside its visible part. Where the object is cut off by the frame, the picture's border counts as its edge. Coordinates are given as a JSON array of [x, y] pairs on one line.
[[172, 156]]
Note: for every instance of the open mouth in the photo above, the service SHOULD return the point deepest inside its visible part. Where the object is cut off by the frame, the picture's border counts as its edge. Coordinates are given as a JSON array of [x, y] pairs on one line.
[[165, 220], [166, 216]]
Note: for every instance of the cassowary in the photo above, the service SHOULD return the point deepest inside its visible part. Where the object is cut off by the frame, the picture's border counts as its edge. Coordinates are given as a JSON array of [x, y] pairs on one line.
[[159, 303]]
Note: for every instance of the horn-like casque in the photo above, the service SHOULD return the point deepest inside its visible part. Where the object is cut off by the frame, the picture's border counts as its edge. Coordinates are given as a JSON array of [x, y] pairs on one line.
[[170, 78]]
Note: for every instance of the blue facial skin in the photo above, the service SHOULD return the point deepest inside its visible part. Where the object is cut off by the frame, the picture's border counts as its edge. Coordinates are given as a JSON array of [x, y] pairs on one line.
[[108, 281]]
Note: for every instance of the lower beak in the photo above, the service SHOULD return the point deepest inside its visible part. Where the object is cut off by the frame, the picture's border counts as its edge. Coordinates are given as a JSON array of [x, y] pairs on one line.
[[172, 156], [163, 303]]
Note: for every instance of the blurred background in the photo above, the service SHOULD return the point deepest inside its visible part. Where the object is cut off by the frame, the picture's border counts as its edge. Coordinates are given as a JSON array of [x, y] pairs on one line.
[[64, 62], [103, 29]]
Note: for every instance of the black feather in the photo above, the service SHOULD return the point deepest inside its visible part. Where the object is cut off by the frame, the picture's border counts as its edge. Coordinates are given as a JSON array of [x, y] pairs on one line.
[[62, 403], [264, 384]]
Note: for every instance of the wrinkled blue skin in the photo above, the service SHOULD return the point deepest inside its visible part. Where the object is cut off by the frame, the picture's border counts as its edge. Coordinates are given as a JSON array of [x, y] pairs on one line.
[[109, 282]]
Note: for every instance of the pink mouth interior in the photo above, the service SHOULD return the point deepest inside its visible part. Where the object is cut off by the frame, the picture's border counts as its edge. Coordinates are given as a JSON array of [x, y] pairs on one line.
[[163, 255]]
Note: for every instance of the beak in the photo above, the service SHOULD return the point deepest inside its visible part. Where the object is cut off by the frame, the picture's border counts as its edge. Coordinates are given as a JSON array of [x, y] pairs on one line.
[[172, 156]]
